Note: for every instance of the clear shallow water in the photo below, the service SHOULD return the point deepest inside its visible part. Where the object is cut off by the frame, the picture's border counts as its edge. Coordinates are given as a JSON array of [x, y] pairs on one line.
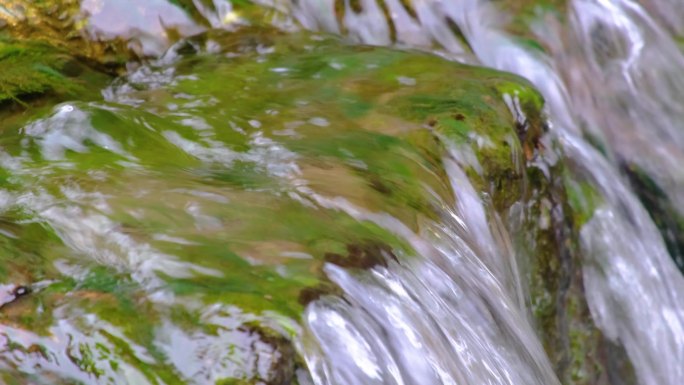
[[250, 189]]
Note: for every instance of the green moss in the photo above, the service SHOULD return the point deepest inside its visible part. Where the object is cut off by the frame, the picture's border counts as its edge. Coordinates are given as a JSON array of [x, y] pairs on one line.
[[29, 71], [34, 74], [584, 200]]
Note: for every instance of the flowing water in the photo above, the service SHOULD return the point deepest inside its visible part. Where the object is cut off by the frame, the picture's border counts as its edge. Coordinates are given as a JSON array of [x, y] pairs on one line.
[[613, 73], [262, 204]]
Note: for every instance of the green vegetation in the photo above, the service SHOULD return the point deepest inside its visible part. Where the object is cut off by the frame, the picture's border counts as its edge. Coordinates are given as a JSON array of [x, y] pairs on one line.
[[33, 69]]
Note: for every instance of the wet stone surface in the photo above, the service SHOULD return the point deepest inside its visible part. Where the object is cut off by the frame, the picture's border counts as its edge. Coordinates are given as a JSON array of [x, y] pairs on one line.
[[173, 230]]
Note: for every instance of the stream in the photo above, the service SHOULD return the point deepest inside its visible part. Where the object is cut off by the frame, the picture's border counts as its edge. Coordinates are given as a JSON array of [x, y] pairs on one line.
[[353, 192]]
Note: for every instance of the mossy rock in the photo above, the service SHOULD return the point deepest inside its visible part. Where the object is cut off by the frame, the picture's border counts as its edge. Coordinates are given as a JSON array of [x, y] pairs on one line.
[[33, 69], [262, 124], [111, 33], [62, 25], [396, 99], [372, 127], [50, 48], [560, 204], [35, 76]]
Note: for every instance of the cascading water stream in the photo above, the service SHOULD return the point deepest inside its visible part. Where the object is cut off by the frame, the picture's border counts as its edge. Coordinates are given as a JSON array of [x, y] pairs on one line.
[[451, 307], [206, 265], [614, 73], [445, 318]]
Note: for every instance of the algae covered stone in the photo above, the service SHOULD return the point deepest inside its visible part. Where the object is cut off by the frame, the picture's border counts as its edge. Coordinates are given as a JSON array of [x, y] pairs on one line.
[[32, 69], [174, 229]]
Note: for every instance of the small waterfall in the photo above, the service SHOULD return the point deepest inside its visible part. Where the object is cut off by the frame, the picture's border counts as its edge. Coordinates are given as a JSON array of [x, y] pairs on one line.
[[612, 73], [453, 307], [444, 318], [623, 72], [633, 287]]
